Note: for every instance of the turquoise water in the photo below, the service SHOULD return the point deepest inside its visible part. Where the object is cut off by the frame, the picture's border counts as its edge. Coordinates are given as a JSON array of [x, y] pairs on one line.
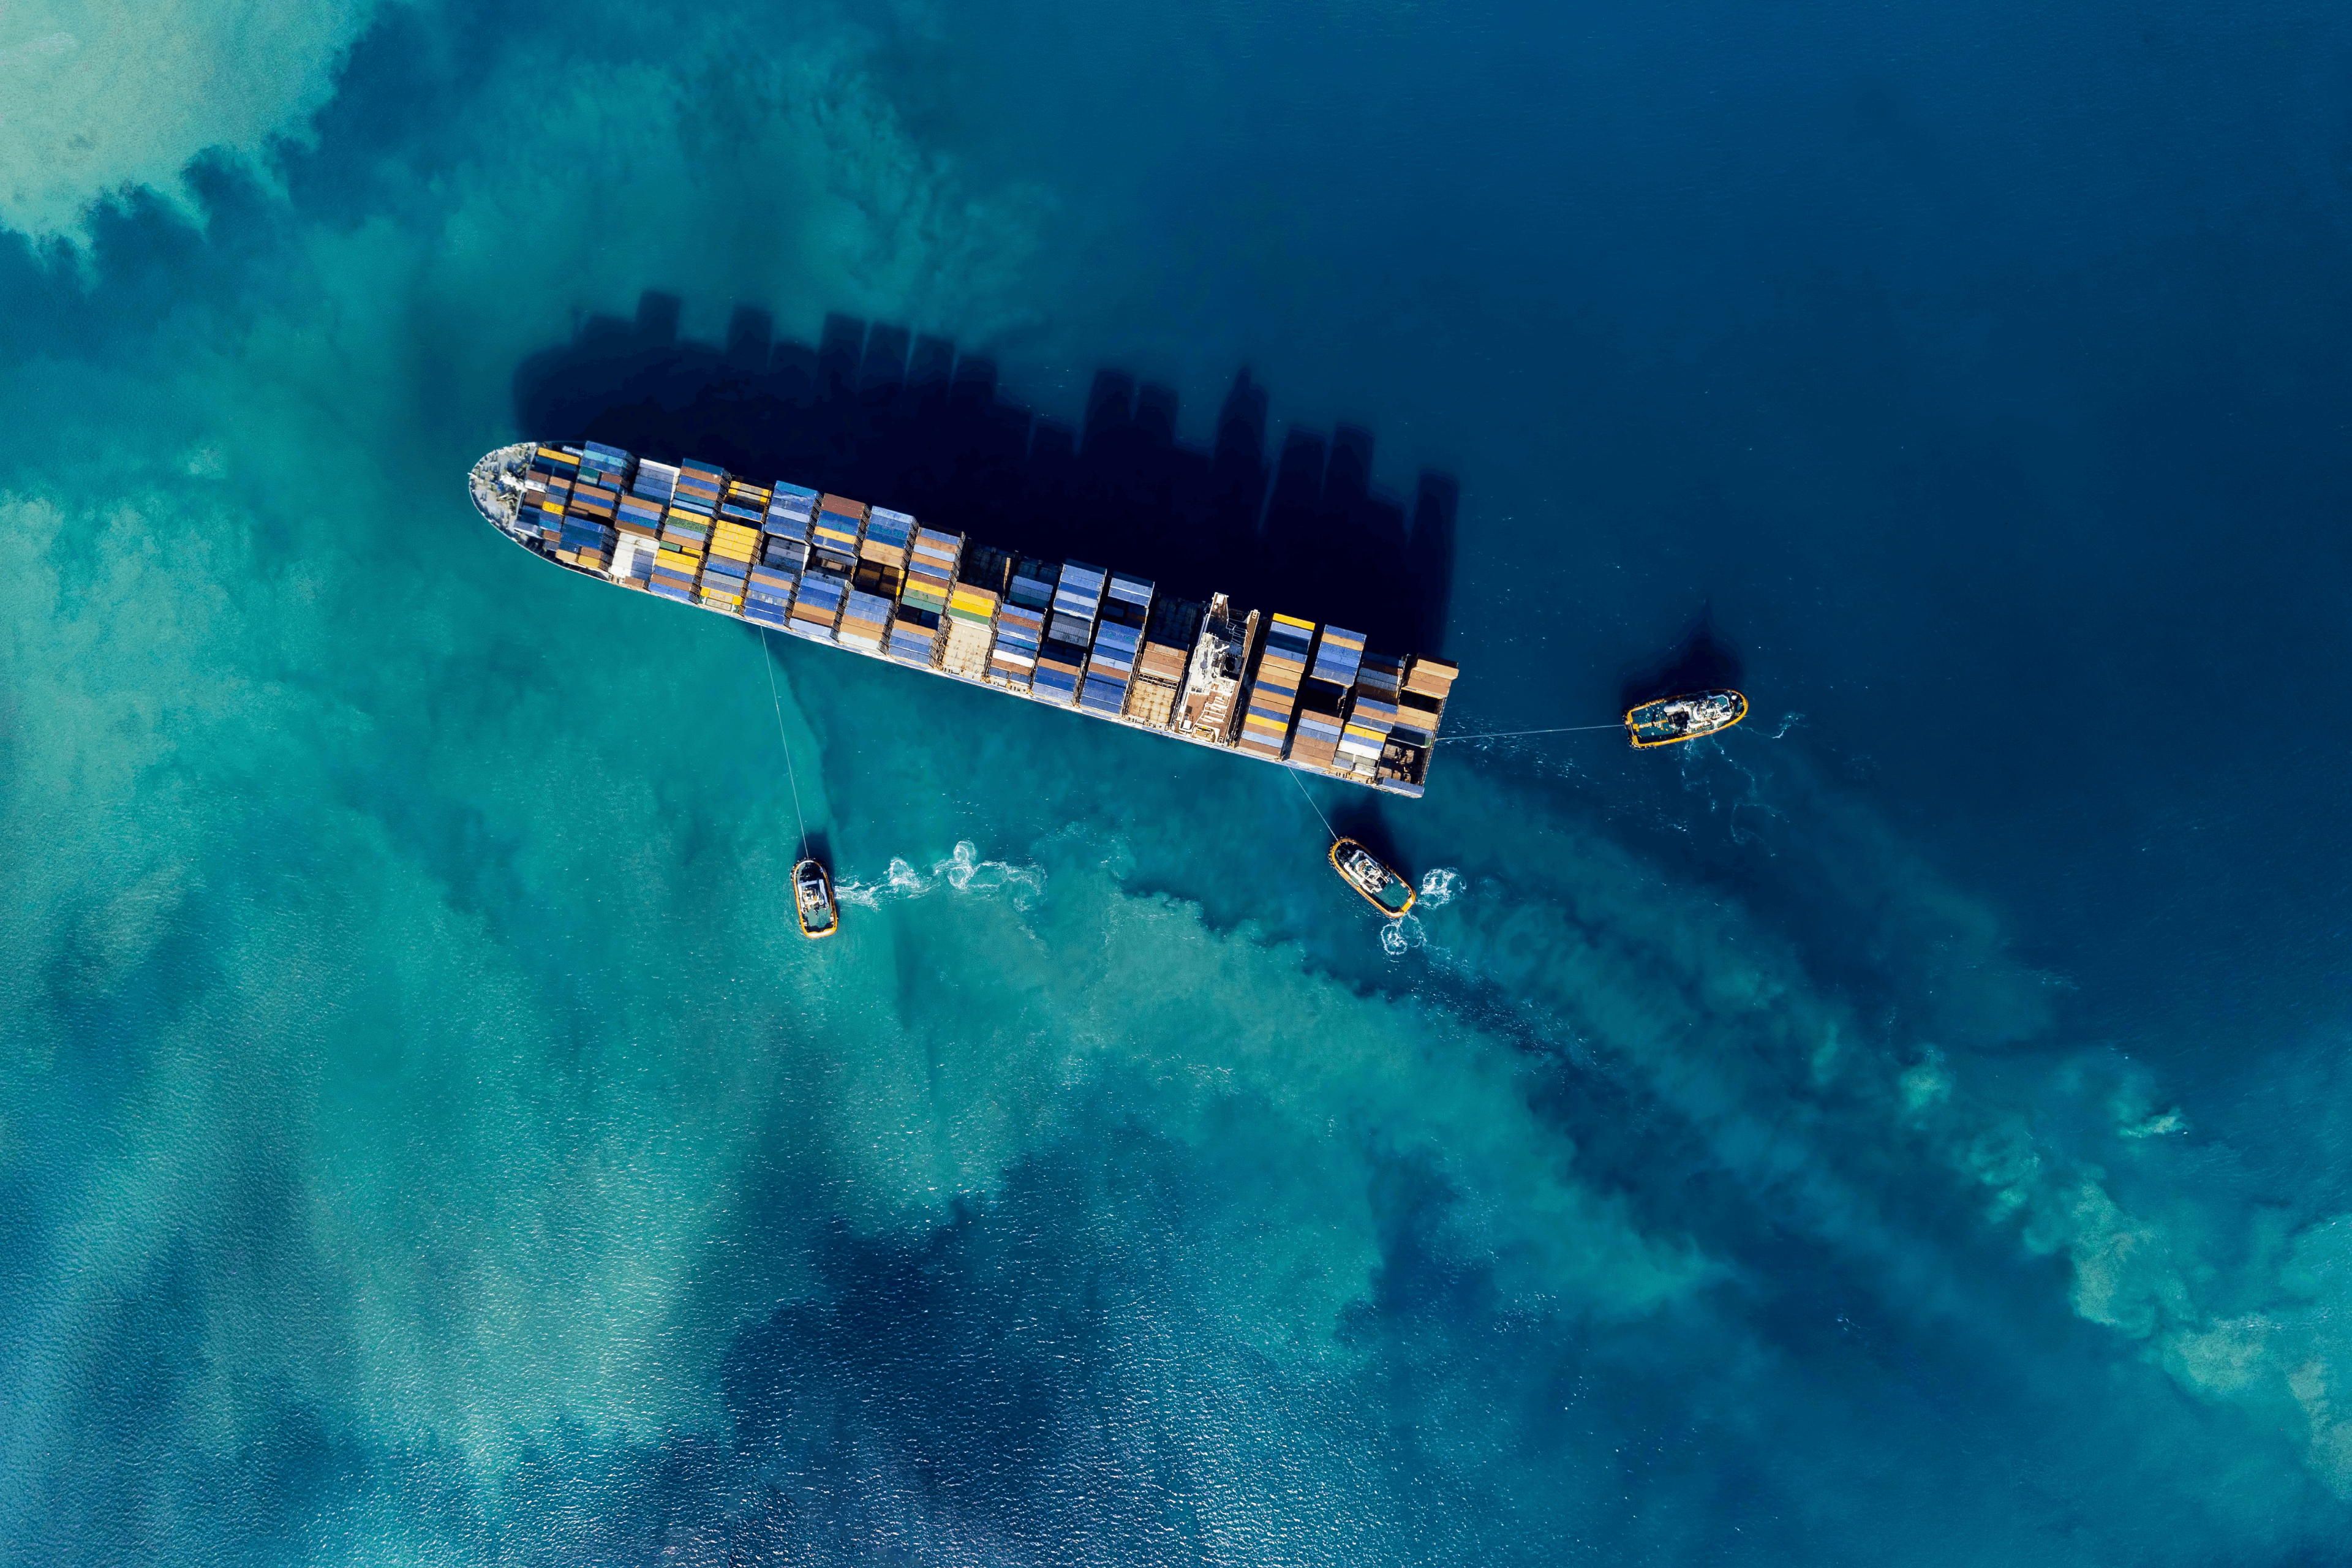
[[1910, 1130]]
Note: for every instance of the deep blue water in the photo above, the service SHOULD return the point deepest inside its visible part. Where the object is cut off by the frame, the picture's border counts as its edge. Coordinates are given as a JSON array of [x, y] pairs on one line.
[[1909, 1129]]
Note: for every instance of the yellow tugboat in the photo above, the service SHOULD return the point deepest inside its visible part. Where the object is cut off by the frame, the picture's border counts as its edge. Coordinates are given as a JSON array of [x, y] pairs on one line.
[[812, 900], [1362, 870], [1671, 720]]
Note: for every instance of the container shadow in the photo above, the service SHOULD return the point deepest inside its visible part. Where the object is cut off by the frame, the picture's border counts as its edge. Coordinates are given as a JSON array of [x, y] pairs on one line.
[[906, 421]]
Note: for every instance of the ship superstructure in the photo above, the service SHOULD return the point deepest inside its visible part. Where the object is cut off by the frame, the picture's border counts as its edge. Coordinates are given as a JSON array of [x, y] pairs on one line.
[[1277, 687]]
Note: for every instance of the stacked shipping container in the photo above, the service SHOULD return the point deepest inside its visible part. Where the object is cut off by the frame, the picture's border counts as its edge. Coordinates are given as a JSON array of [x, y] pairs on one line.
[[547, 492], [1274, 695], [685, 532], [1371, 715], [840, 522], [865, 621], [769, 586], [833, 556], [880, 572], [1337, 653], [637, 522], [816, 607], [1314, 735], [972, 604], [1119, 638], [1069, 627], [1404, 760], [914, 630], [734, 547], [791, 513], [1021, 623], [1168, 639], [587, 536], [1323, 699]]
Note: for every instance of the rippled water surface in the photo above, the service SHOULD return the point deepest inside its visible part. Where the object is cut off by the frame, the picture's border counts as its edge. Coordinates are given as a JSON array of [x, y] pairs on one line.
[[1911, 1129]]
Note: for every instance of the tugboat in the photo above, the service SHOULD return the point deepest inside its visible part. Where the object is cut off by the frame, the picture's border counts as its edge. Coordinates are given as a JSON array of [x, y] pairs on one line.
[[1361, 870], [814, 902], [1670, 719]]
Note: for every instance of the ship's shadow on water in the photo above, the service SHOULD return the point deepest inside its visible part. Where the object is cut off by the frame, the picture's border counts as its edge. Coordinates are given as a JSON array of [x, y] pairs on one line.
[[907, 422], [1357, 813], [1698, 661]]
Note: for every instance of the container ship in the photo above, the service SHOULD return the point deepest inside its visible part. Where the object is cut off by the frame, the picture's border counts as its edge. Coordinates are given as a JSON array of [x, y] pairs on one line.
[[1280, 688]]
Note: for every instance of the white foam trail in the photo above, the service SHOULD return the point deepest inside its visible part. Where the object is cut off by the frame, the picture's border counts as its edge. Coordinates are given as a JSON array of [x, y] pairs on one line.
[[1406, 934], [2157, 1126], [963, 871]]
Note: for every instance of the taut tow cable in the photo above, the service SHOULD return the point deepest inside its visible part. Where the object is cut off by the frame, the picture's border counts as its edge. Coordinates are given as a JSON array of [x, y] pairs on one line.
[[1503, 734], [1312, 806], [767, 657]]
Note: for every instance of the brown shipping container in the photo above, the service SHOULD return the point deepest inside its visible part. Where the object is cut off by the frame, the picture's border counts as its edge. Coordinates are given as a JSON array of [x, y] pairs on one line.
[[1431, 678]]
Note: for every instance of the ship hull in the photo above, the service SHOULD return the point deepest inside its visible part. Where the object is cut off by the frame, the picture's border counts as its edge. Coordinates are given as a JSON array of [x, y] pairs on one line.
[[1671, 721], [1277, 690], [1396, 897], [814, 902]]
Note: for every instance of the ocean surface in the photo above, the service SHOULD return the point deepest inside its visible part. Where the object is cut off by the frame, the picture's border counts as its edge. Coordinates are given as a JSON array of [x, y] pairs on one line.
[[1913, 1129]]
